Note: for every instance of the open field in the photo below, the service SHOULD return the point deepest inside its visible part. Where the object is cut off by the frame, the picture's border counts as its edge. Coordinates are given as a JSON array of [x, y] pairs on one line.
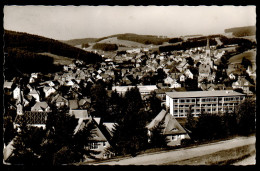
[[59, 60], [114, 40], [251, 55]]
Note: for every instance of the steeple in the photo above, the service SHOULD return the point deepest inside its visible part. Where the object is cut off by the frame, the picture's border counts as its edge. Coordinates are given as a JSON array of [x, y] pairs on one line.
[[207, 49]]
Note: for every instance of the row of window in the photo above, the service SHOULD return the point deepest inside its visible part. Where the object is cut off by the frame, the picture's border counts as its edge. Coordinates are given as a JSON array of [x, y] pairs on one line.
[[204, 105], [207, 99], [95, 145], [204, 110]]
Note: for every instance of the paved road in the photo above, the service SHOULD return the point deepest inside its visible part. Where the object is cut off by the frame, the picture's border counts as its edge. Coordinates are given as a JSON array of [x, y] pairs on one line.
[[251, 160], [182, 154]]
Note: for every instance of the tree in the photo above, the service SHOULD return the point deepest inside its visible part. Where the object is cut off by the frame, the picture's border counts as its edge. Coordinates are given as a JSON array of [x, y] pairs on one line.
[[157, 139], [246, 62], [99, 98], [190, 122], [26, 145], [208, 127], [154, 104], [130, 134], [246, 115]]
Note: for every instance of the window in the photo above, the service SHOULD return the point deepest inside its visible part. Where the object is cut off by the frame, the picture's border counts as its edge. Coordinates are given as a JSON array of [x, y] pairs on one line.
[[182, 101], [193, 100], [93, 145], [188, 100], [175, 101], [104, 144], [174, 138]]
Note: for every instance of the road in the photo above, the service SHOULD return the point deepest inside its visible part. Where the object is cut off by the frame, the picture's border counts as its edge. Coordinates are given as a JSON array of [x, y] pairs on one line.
[[251, 160], [182, 154]]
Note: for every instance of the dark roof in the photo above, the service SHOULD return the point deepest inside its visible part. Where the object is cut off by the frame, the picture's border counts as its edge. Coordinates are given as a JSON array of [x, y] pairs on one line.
[[170, 124], [32, 118]]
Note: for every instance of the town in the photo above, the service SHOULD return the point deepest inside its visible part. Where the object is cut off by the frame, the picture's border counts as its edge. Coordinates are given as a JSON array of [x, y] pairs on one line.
[[129, 85], [179, 82]]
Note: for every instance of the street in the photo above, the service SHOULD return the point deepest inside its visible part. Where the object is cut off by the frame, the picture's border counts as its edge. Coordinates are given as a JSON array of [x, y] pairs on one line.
[[183, 153]]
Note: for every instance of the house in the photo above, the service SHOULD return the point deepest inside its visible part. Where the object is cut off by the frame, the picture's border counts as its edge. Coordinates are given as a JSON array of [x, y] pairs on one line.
[[73, 104], [243, 84], [35, 94], [188, 73], [182, 77], [16, 92], [59, 100], [85, 103], [98, 142], [8, 85], [48, 90], [34, 119], [40, 107], [172, 129]]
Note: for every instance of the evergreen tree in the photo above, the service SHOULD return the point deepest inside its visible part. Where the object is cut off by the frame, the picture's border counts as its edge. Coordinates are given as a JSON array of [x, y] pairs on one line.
[[246, 117], [130, 135], [26, 145], [190, 122], [157, 139], [99, 99], [154, 105]]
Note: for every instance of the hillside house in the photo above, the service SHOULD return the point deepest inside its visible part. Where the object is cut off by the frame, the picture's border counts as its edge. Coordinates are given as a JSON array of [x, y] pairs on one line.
[[173, 131]]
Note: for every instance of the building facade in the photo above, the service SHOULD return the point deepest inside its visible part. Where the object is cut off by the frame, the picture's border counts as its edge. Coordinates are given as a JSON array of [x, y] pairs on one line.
[[180, 103]]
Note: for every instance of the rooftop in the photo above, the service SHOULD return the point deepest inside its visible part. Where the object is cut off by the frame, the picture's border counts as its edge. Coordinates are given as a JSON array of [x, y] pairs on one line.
[[203, 93]]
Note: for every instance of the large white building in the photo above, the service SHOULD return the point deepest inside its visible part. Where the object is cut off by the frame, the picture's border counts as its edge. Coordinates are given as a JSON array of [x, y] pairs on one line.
[[180, 103]]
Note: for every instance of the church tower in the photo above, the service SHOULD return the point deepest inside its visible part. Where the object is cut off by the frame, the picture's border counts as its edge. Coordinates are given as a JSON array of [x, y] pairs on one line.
[[207, 49], [207, 59]]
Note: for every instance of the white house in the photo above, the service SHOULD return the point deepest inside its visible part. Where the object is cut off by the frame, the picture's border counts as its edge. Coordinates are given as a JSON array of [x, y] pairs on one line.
[[35, 94], [188, 73], [16, 92], [48, 91], [182, 78]]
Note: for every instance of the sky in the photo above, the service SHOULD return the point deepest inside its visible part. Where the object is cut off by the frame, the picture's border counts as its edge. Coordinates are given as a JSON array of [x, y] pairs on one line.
[[72, 22]]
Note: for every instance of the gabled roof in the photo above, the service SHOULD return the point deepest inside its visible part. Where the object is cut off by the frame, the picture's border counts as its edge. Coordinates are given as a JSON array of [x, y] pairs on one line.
[[170, 124], [32, 118], [39, 105], [97, 134], [78, 113]]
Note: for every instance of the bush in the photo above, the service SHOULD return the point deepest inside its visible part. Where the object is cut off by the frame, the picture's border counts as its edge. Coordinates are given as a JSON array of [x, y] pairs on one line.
[[186, 141]]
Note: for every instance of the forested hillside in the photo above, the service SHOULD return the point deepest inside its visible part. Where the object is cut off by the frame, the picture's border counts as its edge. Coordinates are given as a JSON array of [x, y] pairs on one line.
[[21, 53], [242, 31]]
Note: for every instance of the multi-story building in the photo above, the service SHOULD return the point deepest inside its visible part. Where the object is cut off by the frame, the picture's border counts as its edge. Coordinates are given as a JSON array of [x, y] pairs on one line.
[[198, 102]]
